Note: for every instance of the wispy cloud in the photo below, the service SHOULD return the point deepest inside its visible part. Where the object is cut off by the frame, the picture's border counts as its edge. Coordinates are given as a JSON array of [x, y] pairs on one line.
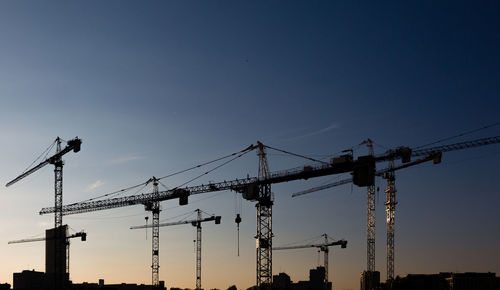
[[125, 159], [317, 132], [95, 185]]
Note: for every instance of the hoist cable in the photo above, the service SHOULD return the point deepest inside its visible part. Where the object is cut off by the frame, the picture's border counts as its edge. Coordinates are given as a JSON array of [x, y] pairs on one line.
[[46, 152], [211, 170], [251, 147], [297, 155], [180, 215], [460, 135], [116, 192], [206, 213], [166, 187], [185, 218]]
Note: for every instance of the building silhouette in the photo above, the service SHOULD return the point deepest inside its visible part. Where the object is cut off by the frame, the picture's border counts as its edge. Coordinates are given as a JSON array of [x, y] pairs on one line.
[[316, 281], [370, 280], [463, 281], [121, 286], [446, 281], [282, 281], [33, 280]]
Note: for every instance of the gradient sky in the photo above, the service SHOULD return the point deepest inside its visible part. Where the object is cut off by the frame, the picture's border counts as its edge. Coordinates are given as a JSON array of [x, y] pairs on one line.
[[158, 86]]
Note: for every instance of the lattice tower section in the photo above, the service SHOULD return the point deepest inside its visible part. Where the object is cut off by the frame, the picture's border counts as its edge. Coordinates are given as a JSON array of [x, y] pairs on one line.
[[390, 210], [198, 252], [264, 225], [155, 265]]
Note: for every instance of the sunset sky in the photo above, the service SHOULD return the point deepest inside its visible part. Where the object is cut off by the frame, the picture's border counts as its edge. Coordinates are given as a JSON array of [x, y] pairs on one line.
[[153, 87]]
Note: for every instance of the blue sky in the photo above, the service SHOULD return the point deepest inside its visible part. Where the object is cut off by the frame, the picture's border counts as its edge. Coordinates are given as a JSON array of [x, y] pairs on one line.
[[155, 87]]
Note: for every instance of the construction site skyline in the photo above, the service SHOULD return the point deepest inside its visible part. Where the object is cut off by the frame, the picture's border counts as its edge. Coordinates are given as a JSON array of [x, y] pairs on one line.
[[153, 89]]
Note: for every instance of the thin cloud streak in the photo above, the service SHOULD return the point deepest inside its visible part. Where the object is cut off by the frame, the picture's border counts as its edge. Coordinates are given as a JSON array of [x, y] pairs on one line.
[[95, 185], [126, 159], [314, 133]]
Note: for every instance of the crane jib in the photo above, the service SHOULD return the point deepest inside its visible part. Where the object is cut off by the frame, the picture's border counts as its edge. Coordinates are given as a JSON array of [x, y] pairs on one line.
[[74, 144], [239, 185], [362, 168]]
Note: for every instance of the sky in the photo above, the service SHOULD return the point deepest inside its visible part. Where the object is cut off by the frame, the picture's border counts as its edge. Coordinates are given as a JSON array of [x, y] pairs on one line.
[[159, 86]]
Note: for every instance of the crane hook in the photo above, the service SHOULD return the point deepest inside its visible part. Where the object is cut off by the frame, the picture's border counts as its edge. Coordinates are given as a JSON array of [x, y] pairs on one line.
[[146, 218], [237, 220]]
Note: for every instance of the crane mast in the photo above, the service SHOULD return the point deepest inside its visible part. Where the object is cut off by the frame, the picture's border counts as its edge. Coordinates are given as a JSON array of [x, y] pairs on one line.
[[156, 237], [58, 174], [325, 261], [58, 183], [264, 224], [198, 252], [370, 219], [390, 211], [154, 207]]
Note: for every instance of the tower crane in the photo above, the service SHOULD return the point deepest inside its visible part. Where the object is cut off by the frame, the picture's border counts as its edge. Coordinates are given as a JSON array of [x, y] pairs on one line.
[[323, 248], [388, 174], [196, 223], [258, 189], [82, 235], [59, 245], [434, 154]]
